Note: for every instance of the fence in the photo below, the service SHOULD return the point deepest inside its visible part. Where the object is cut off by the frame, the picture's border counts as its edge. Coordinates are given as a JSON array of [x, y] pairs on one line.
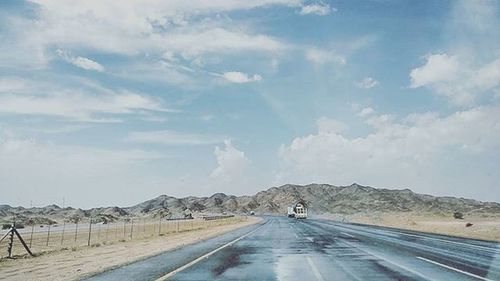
[[47, 238]]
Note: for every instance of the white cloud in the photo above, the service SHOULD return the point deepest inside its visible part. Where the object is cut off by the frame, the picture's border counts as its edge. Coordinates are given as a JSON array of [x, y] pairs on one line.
[[367, 83], [320, 9], [366, 112], [132, 28], [87, 64], [231, 164], [466, 73], [81, 62], [455, 79], [437, 68], [423, 151], [321, 56], [240, 77], [81, 106], [173, 138]]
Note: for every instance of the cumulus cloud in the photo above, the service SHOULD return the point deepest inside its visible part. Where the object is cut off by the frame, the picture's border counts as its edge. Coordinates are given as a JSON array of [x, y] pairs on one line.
[[420, 151], [322, 56], [467, 73], [173, 138], [240, 77], [81, 62], [437, 68], [367, 83], [455, 79], [320, 9], [231, 164]]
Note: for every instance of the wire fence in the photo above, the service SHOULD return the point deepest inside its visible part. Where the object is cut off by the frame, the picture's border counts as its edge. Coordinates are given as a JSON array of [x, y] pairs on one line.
[[53, 237]]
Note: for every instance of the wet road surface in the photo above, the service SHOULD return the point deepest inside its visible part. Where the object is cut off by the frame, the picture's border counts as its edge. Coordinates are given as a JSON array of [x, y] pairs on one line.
[[289, 249]]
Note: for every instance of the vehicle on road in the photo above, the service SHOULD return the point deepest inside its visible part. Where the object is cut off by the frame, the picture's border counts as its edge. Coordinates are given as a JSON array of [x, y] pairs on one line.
[[300, 210], [290, 212]]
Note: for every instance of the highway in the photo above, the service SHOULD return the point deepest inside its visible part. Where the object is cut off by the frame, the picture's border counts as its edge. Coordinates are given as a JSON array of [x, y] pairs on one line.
[[287, 249]]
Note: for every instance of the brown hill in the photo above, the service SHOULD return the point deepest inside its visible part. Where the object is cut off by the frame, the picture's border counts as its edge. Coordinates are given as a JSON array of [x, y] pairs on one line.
[[320, 198]]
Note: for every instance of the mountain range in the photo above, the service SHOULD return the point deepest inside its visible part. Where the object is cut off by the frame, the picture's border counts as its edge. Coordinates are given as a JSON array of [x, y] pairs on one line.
[[320, 199]]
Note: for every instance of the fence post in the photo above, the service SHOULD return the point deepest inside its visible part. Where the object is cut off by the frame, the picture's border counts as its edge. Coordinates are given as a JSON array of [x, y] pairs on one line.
[[177, 226], [159, 226], [76, 230], [90, 231], [31, 236], [124, 228], [132, 228], [107, 230], [62, 236], [48, 236]]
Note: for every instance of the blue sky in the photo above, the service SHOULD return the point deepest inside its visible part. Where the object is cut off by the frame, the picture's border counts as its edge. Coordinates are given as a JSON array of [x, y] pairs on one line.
[[112, 103]]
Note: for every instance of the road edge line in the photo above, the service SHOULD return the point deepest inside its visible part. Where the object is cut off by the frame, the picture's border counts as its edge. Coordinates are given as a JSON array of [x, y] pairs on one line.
[[454, 269]]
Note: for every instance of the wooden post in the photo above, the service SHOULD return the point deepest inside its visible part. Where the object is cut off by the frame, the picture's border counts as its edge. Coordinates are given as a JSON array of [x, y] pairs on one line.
[[159, 226], [124, 228], [48, 236], [11, 242], [107, 230], [131, 228], [76, 230], [90, 232], [62, 236], [22, 241], [31, 236]]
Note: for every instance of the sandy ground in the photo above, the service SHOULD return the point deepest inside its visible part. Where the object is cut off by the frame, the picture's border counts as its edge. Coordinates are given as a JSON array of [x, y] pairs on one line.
[[486, 227], [75, 263]]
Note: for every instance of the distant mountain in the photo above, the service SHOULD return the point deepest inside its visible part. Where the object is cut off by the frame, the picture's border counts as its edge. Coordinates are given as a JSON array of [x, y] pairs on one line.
[[320, 198]]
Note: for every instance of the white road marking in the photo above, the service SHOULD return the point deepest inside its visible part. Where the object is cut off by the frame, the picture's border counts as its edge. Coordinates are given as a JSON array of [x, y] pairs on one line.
[[193, 262], [314, 270], [389, 261], [296, 236], [424, 236], [454, 269], [452, 242], [310, 239], [347, 234]]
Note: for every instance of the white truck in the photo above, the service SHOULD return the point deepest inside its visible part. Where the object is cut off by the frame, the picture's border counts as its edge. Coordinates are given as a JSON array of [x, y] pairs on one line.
[[300, 211], [290, 212]]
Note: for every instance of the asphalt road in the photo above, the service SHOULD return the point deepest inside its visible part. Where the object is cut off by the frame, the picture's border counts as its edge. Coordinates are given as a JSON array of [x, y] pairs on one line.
[[289, 249]]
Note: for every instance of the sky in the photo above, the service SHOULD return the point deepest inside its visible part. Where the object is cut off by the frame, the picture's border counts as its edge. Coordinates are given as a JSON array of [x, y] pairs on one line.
[[115, 102]]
